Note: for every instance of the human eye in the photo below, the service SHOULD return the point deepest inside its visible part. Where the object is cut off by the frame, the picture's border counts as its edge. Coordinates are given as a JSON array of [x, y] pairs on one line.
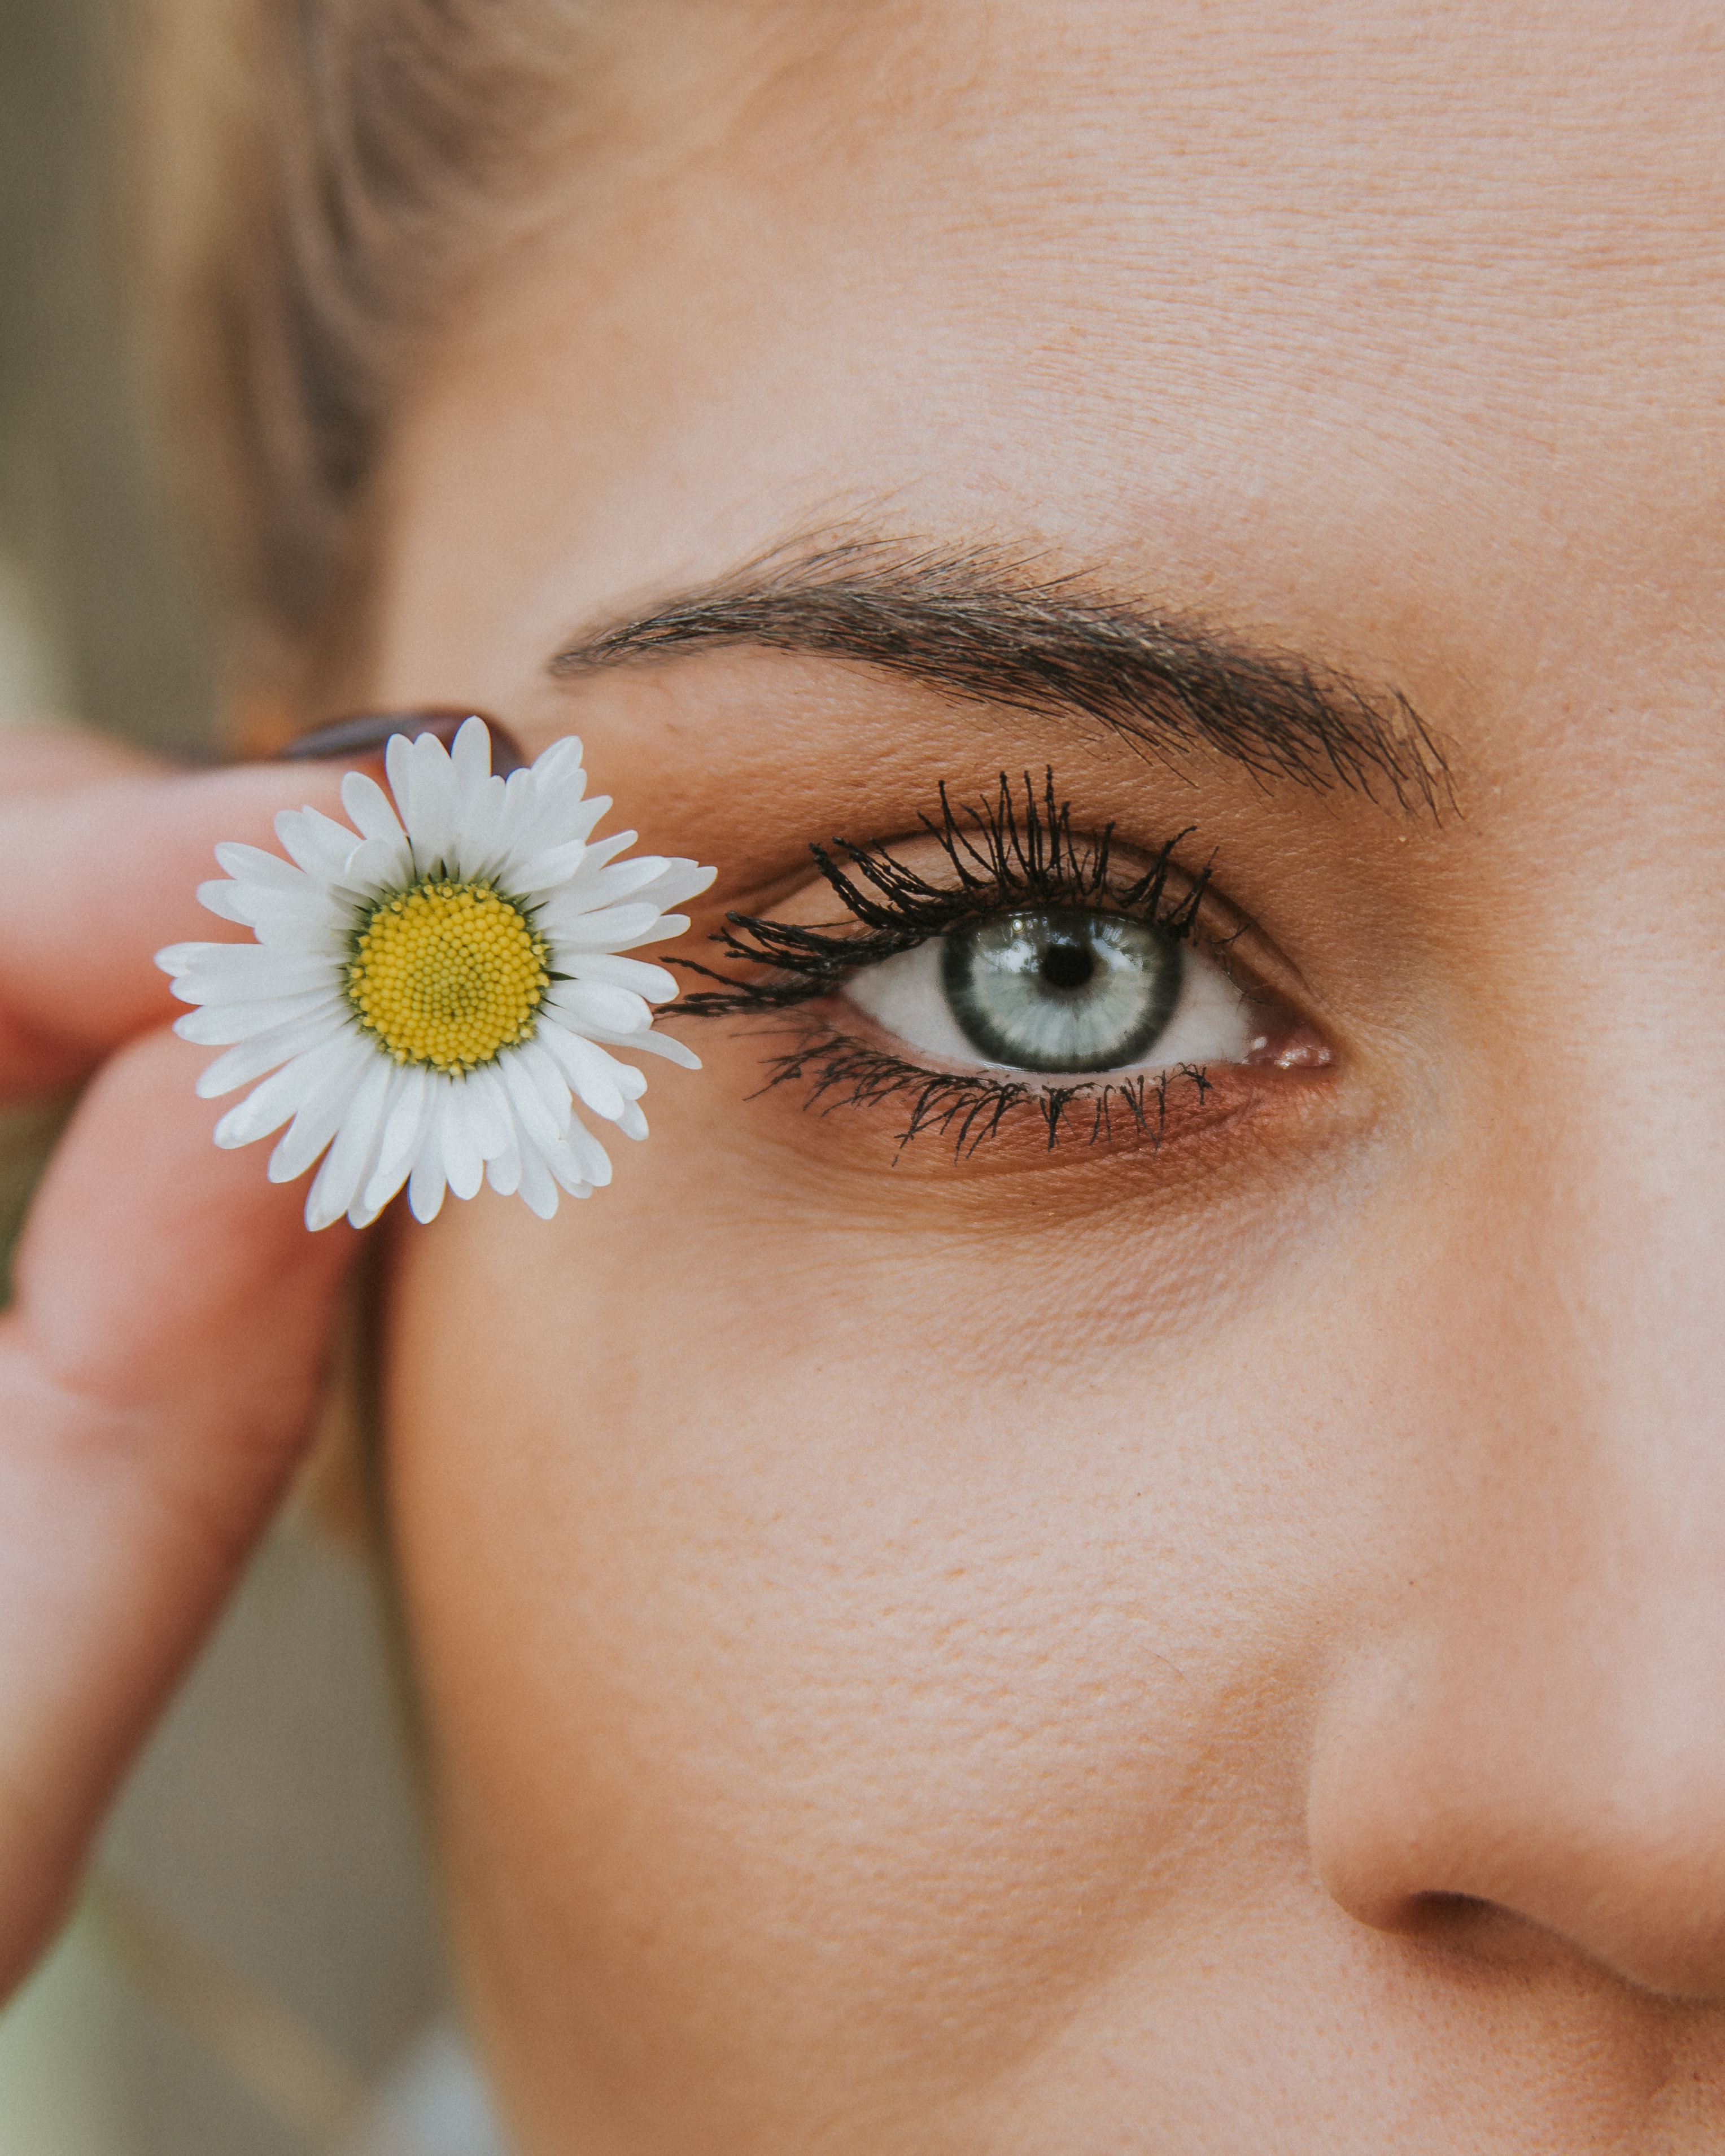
[[1001, 960], [1059, 991]]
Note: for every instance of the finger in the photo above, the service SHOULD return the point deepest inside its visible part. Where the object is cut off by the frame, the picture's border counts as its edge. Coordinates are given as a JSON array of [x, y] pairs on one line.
[[39, 761], [159, 1372], [97, 880]]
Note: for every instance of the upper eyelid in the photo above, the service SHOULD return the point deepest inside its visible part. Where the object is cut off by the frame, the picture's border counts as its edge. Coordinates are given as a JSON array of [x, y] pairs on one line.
[[1219, 923], [1024, 838], [1223, 929], [1215, 920]]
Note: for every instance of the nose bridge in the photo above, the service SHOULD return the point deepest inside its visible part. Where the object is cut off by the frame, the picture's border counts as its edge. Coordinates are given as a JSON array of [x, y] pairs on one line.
[[1626, 1318], [1536, 1717], [1582, 1370]]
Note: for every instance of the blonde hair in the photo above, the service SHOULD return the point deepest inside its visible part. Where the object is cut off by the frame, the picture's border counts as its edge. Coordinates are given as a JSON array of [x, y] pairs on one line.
[[324, 178]]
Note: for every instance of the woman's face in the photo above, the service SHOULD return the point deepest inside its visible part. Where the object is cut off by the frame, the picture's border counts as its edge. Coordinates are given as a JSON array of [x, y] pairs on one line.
[[1208, 1633]]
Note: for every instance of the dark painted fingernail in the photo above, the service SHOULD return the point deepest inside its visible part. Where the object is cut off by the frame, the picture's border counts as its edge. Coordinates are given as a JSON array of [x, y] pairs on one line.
[[368, 734]]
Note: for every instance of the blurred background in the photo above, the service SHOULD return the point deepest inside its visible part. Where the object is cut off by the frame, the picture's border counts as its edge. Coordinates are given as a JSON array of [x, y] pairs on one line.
[[256, 1969]]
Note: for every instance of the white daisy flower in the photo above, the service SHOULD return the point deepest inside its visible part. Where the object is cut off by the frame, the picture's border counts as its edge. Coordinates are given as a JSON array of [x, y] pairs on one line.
[[434, 990]]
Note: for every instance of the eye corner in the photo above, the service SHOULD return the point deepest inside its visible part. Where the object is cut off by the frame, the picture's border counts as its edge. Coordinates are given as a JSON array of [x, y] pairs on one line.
[[1300, 1046]]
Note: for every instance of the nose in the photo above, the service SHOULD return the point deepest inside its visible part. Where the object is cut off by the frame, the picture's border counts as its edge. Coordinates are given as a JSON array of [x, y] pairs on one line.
[[1529, 1718], [1573, 1778]]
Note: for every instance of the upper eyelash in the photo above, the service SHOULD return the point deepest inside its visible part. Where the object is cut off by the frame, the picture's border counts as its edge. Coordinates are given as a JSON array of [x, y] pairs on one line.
[[1000, 853]]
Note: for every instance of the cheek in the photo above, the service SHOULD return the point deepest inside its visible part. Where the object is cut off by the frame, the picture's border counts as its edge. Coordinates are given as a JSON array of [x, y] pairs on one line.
[[834, 1638]]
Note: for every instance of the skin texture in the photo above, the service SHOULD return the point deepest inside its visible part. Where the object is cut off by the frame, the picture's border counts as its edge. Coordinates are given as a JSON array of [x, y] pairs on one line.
[[1205, 1648], [1209, 1650]]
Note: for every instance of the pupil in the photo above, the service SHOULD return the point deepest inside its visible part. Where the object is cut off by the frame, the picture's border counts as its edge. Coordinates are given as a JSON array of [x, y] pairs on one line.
[[1067, 966]]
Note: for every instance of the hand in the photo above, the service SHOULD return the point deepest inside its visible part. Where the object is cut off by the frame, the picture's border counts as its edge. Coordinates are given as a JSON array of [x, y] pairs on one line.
[[160, 1365]]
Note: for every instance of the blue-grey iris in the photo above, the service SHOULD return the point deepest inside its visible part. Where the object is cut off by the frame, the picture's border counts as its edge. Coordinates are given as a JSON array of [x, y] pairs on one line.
[[1061, 990]]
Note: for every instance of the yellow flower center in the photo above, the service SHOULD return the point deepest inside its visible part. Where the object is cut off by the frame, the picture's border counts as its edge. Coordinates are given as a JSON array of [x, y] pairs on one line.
[[447, 974]]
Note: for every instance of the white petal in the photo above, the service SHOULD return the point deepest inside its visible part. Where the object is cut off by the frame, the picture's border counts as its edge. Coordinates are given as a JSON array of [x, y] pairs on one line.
[[558, 819], [589, 1156], [478, 851], [653, 983], [361, 1210], [279, 1099], [623, 880], [504, 1172], [552, 866], [679, 879], [520, 805], [368, 805], [378, 865], [494, 1094], [538, 1186], [528, 1103], [177, 958], [320, 1118], [252, 864], [223, 1023], [426, 1184], [580, 1164], [329, 942], [399, 769], [338, 1180], [409, 1119], [610, 928], [593, 886], [651, 1043], [464, 1162], [276, 1101], [553, 1087], [244, 973], [312, 918], [471, 759], [318, 843], [478, 799], [604, 881], [557, 784], [429, 811], [218, 896], [584, 1004], [554, 763], [359, 1214], [632, 1123], [665, 926], [265, 1051], [600, 1081], [601, 851]]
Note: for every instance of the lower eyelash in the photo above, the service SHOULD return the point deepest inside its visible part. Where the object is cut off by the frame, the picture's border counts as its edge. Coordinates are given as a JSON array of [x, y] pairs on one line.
[[839, 1071]]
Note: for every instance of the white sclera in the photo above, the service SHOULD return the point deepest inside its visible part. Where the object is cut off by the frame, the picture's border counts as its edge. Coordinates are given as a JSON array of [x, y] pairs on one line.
[[1212, 1022]]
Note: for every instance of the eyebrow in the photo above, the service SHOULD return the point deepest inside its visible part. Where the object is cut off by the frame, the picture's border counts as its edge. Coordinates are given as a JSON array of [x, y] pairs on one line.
[[976, 625]]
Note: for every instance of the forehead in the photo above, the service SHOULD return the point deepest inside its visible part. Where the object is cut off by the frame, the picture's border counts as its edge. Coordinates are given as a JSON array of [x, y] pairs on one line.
[[1419, 303]]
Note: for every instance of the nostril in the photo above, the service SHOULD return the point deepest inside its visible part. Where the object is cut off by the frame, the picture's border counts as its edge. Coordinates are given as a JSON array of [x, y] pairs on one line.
[[1470, 1928], [1482, 1930], [1434, 1911]]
